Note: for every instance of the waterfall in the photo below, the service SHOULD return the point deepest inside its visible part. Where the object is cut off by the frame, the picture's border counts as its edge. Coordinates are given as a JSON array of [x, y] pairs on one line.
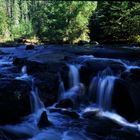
[[77, 89], [35, 101], [24, 70], [105, 91], [73, 75], [61, 89], [23, 75], [101, 88]]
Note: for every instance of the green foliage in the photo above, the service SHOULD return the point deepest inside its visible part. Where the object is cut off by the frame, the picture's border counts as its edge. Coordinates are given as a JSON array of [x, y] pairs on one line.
[[4, 21], [61, 21], [115, 20], [56, 21]]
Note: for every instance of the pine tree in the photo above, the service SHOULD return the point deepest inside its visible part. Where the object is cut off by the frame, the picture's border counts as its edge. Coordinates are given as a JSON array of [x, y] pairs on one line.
[[115, 20]]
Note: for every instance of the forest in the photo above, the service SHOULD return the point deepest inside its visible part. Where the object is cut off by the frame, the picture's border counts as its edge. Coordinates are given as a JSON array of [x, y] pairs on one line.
[[70, 21], [69, 70]]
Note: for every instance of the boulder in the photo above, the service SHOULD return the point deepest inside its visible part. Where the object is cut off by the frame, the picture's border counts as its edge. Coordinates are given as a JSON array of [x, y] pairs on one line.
[[125, 134], [14, 100], [43, 121], [91, 114], [30, 47], [92, 67], [100, 126], [71, 114], [65, 103], [48, 86], [122, 101], [82, 42], [133, 79]]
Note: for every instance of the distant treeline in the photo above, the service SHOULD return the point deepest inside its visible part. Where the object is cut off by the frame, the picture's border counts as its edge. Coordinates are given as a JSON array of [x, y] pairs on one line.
[[70, 21], [116, 21]]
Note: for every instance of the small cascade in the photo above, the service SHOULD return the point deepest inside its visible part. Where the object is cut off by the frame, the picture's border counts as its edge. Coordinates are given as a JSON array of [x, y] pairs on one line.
[[61, 89], [105, 91], [36, 103], [23, 75], [102, 87], [76, 91], [74, 75]]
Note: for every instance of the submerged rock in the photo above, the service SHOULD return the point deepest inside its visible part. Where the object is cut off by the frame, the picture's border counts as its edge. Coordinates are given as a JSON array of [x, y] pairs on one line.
[[14, 100], [65, 103], [43, 121]]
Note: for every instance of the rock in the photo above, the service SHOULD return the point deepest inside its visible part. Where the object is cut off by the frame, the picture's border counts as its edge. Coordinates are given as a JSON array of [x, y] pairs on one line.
[[94, 43], [91, 68], [100, 126], [125, 134], [43, 121], [82, 42], [71, 114], [122, 101], [135, 74], [14, 100], [3, 136], [30, 47], [90, 114], [48, 85], [65, 103]]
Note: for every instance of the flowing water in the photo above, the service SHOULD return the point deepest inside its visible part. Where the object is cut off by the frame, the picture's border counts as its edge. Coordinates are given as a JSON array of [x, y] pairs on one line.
[[105, 91], [65, 128], [36, 103], [74, 78]]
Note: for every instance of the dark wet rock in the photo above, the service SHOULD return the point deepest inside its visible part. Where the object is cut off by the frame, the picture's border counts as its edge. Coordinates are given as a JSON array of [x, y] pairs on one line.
[[65, 103], [91, 68], [125, 134], [94, 42], [3, 136], [82, 42], [133, 79], [52, 110], [122, 101], [71, 114], [135, 74], [48, 85], [43, 121], [124, 75], [14, 100], [90, 114], [100, 126], [7, 135], [30, 47], [19, 61]]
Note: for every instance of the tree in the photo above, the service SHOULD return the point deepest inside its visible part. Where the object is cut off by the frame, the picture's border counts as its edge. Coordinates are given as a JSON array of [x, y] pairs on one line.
[[63, 21], [4, 29], [115, 21]]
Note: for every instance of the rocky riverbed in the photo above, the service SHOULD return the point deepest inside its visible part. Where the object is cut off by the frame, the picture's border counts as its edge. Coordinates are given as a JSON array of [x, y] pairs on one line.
[[64, 92]]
